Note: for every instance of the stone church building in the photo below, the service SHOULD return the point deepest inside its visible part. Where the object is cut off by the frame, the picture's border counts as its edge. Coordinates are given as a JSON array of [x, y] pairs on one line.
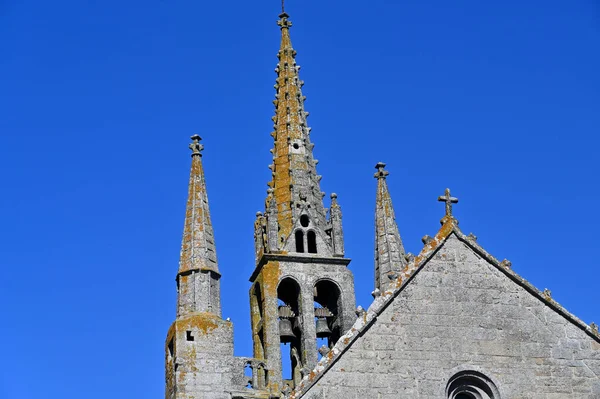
[[451, 322]]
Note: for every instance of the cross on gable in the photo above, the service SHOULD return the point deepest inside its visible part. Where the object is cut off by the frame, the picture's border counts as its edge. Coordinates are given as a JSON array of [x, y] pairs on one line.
[[449, 200]]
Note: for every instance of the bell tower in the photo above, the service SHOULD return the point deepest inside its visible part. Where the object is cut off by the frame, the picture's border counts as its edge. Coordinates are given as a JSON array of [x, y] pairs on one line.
[[199, 344], [302, 294]]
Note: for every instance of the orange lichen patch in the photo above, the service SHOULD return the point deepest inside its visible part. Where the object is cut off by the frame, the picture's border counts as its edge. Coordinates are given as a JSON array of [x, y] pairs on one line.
[[292, 150], [184, 285], [271, 273], [432, 245], [203, 322]]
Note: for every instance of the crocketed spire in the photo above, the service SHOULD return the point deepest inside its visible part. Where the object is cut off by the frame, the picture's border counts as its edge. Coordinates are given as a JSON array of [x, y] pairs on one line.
[[295, 181], [198, 244], [390, 257]]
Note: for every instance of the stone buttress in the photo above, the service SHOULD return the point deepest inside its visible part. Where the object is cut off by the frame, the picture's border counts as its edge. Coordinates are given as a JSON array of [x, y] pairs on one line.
[[199, 345], [302, 289]]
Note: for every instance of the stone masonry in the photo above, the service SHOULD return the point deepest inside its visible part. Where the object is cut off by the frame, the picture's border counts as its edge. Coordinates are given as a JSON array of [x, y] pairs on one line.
[[457, 309], [452, 322]]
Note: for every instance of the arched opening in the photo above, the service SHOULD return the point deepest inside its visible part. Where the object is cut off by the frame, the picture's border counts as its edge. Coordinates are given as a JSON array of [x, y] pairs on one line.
[[304, 221], [290, 331], [328, 305], [311, 238], [256, 307], [299, 236], [471, 385]]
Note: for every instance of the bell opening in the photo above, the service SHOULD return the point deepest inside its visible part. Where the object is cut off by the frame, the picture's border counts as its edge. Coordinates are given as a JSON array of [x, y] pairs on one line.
[[327, 300]]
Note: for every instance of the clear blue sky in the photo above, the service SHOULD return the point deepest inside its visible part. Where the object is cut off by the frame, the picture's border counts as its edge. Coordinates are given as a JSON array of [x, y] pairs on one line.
[[498, 100]]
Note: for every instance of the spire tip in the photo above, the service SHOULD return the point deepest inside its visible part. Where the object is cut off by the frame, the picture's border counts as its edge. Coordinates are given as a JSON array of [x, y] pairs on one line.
[[381, 172], [195, 145]]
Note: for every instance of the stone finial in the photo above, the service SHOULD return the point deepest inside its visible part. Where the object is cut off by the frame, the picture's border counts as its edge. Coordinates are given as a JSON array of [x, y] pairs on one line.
[[472, 237], [506, 263], [360, 311], [427, 239], [594, 328], [381, 172], [323, 350], [547, 293], [376, 293], [286, 390], [195, 145], [283, 22], [449, 200]]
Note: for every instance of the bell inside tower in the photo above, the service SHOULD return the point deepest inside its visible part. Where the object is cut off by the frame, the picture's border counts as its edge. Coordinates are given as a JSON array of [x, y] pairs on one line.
[[327, 299], [290, 331]]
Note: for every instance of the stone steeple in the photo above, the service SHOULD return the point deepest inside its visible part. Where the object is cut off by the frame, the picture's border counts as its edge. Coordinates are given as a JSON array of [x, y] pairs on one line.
[[390, 257], [302, 290], [199, 335], [295, 181], [198, 276]]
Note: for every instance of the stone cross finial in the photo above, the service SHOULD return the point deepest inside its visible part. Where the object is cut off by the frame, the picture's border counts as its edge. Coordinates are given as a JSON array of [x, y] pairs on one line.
[[449, 200], [195, 146], [283, 20], [381, 172]]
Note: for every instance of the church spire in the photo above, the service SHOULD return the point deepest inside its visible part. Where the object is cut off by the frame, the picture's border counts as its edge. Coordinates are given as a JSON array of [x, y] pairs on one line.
[[295, 182], [198, 254], [389, 252]]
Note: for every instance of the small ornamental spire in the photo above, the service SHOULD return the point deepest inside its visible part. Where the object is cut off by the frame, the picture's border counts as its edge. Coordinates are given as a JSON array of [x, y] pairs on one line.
[[198, 277], [390, 257], [449, 200], [198, 244], [337, 232]]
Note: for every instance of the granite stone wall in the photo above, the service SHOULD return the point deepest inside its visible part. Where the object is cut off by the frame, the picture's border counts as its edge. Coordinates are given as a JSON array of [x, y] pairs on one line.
[[460, 313]]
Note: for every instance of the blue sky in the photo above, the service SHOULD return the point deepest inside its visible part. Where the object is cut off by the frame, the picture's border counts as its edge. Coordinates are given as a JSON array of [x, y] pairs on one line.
[[499, 101]]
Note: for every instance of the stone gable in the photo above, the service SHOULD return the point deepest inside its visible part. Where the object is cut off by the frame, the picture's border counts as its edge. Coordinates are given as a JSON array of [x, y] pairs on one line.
[[461, 313]]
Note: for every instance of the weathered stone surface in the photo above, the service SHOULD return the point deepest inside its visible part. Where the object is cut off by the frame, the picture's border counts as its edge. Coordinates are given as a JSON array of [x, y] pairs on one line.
[[390, 257], [459, 312], [450, 319]]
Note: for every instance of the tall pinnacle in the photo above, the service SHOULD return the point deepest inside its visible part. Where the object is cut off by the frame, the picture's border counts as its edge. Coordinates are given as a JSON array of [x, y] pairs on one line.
[[295, 181], [198, 244], [389, 251]]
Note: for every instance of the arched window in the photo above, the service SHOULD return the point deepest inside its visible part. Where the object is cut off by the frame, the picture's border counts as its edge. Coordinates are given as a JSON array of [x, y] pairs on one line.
[[328, 306], [290, 331], [299, 241], [311, 239], [471, 385]]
